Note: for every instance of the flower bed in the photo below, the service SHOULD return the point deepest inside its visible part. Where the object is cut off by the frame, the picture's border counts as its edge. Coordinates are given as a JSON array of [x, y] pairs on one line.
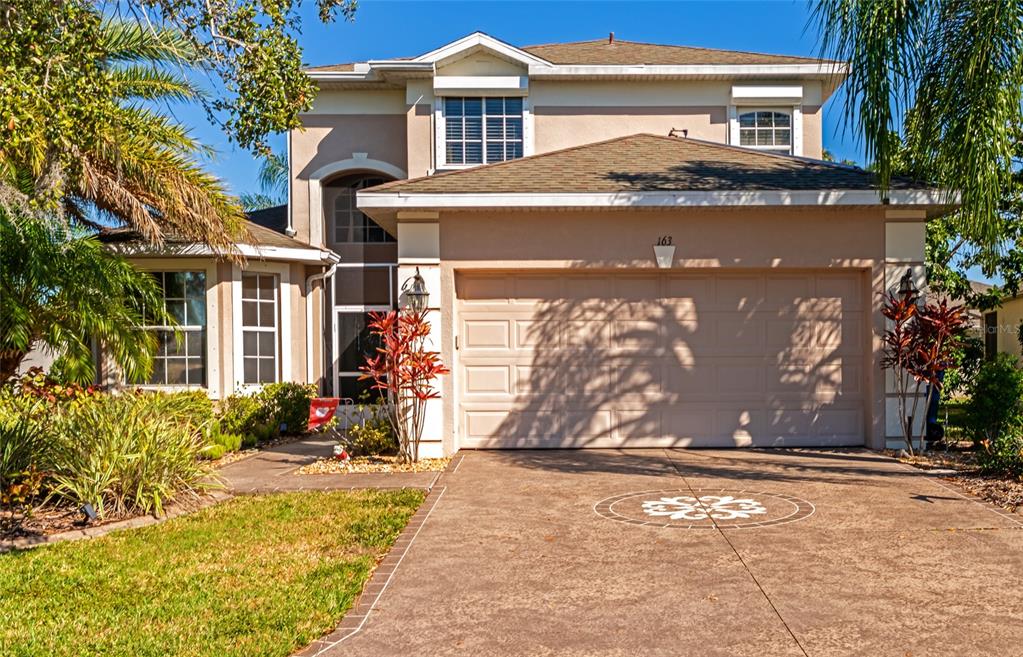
[[363, 464]]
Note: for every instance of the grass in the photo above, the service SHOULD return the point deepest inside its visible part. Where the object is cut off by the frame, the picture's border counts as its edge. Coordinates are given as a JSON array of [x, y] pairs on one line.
[[254, 576]]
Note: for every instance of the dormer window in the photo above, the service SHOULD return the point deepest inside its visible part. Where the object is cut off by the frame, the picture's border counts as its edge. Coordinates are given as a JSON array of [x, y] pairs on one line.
[[481, 130], [768, 130]]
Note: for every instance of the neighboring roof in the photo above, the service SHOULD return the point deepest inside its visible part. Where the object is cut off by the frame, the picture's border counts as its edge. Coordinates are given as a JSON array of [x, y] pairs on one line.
[[631, 53], [274, 218], [645, 163], [258, 242]]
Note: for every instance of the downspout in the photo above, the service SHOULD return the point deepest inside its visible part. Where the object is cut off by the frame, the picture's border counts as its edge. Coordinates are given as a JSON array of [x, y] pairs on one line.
[[334, 260], [290, 230]]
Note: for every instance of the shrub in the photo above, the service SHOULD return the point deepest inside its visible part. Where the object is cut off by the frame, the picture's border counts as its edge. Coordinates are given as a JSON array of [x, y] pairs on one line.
[[372, 436], [238, 414], [23, 455], [219, 442], [277, 408], [996, 400], [1003, 455], [192, 407], [285, 406], [122, 454]]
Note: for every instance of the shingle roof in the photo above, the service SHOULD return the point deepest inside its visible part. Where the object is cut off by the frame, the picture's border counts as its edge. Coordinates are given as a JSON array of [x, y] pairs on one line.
[[646, 163], [603, 52], [275, 218], [624, 53], [257, 236]]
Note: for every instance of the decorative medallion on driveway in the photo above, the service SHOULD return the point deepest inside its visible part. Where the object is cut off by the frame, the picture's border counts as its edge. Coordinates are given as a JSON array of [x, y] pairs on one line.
[[704, 508]]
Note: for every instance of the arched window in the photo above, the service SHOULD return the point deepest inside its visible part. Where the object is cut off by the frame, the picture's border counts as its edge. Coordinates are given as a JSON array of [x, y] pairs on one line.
[[349, 224], [766, 129]]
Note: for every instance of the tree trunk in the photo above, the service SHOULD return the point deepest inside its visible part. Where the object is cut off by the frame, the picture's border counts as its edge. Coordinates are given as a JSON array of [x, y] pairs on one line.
[[9, 363]]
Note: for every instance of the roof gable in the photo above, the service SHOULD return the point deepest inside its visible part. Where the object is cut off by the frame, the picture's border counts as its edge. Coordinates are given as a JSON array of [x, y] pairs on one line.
[[476, 41]]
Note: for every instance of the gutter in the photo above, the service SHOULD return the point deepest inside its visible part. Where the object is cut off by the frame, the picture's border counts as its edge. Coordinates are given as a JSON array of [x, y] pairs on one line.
[[322, 276]]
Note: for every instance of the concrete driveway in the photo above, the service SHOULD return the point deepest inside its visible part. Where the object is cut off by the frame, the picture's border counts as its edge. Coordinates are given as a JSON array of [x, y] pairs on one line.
[[701, 553]]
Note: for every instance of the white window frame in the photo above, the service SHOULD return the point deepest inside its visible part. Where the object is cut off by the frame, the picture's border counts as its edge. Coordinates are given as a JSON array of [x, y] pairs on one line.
[[440, 130], [213, 328], [356, 309], [274, 330], [283, 272], [795, 125], [183, 329]]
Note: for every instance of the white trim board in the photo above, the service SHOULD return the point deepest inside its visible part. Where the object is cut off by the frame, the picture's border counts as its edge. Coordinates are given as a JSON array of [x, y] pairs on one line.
[[291, 254], [402, 200]]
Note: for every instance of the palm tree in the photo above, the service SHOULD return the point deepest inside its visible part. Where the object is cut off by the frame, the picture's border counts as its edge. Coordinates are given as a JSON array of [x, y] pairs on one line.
[[273, 184], [945, 77], [126, 163], [121, 162], [66, 290]]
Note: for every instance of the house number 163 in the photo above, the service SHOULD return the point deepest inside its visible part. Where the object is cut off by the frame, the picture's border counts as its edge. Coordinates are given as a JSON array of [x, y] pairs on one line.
[[664, 240]]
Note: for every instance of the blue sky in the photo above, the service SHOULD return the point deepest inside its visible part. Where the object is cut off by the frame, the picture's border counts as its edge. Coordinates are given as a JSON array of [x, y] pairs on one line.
[[391, 29]]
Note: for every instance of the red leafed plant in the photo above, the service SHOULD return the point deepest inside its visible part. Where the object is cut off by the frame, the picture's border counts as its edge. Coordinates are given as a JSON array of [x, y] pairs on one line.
[[404, 371], [919, 345]]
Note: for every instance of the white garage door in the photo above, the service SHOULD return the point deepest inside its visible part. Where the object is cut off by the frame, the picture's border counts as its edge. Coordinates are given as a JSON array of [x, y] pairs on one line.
[[725, 359]]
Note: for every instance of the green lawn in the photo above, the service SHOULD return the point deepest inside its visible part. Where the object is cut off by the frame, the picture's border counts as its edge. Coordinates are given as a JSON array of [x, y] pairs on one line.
[[252, 577]]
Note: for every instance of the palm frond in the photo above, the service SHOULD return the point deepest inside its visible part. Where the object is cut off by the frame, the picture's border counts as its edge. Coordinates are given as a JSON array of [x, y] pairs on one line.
[[151, 83], [130, 41]]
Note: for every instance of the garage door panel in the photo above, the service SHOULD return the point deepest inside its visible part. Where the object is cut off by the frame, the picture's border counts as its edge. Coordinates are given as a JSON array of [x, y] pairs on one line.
[[587, 425], [738, 335], [672, 359], [486, 334], [533, 288], [636, 287], [494, 426], [632, 425], [738, 293], [637, 376], [487, 380], [786, 292], [846, 289], [588, 334], [540, 335], [481, 289], [637, 334], [586, 378], [738, 378], [578, 288]]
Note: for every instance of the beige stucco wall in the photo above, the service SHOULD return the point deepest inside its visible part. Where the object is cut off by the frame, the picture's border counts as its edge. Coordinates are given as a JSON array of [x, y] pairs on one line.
[[736, 239], [330, 138], [1010, 314], [564, 127], [813, 138]]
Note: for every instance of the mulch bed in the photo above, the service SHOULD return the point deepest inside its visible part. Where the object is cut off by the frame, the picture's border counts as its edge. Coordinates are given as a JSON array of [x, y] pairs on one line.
[[49, 520], [363, 464], [45, 521], [1003, 491]]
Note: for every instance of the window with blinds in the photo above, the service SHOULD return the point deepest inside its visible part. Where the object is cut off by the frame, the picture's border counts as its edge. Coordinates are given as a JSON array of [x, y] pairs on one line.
[[766, 129], [482, 130]]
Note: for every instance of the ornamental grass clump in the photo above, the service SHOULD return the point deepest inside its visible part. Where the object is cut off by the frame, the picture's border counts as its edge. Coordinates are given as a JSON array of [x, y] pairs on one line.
[[122, 455]]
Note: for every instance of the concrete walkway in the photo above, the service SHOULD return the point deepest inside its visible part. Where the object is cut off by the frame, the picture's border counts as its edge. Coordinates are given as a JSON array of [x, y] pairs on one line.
[[702, 553], [273, 470]]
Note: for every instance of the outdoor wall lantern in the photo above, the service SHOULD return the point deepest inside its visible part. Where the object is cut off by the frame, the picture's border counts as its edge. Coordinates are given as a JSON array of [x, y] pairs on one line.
[[907, 288], [664, 252], [416, 295]]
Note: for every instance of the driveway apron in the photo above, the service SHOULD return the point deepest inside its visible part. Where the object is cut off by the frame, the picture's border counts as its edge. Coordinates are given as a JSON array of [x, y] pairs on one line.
[[704, 553]]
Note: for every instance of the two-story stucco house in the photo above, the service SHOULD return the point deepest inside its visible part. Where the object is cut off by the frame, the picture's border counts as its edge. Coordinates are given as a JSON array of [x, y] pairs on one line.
[[625, 244]]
